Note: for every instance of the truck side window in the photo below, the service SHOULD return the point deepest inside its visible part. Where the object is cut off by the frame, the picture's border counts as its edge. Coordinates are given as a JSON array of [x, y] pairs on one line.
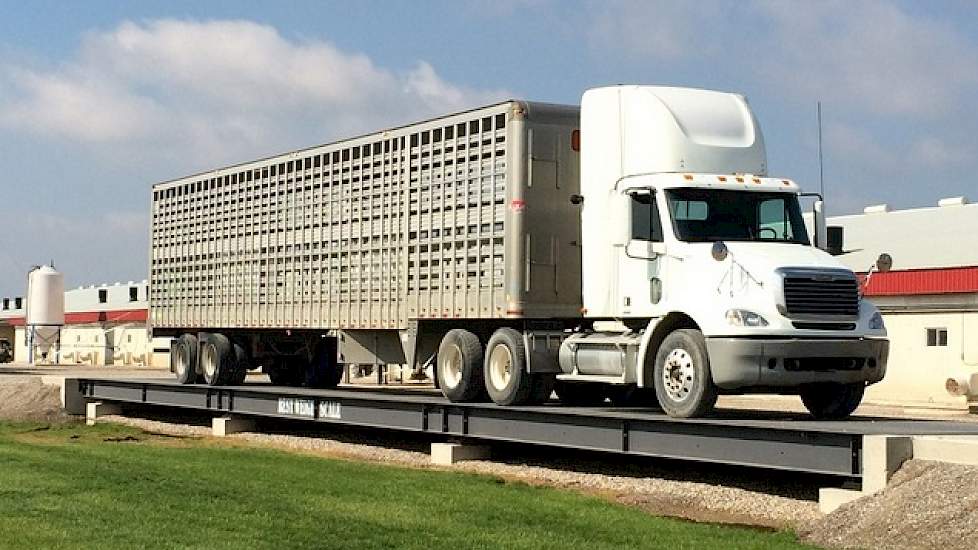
[[773, 220], [645, 219]]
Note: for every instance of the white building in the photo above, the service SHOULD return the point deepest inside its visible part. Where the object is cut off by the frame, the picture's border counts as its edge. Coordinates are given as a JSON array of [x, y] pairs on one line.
[[930, 298], [104, 325]]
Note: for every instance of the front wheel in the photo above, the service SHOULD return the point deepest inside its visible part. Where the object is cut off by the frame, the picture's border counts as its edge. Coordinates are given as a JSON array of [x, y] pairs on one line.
[[683, 383], [831, 401]]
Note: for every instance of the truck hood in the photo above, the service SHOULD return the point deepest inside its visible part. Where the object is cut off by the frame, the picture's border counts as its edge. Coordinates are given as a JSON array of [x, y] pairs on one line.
[[761, 257], [760, 260]]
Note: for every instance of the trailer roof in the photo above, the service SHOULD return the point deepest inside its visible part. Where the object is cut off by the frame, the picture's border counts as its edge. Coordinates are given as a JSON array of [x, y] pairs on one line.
[[529, 107]]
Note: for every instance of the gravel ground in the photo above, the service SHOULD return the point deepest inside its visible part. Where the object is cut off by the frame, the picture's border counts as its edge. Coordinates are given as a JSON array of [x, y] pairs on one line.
[[699, 501], [926, 505], [26, 398]]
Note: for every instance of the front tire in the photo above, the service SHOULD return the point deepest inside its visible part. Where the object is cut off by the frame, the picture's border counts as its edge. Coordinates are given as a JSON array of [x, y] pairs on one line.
[[683, 383], [831, 401], [459, 366]]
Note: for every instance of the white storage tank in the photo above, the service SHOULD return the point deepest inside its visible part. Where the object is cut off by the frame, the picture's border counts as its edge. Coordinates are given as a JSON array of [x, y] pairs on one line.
[[45, 297]]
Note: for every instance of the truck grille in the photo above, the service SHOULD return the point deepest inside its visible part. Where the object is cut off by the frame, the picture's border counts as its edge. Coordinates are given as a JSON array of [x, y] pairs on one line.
[[833, 294]]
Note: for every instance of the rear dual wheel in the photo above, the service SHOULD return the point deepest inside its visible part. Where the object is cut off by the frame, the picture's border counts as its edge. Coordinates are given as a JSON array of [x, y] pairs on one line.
[[459, 367], [465, 373], [507, 378]]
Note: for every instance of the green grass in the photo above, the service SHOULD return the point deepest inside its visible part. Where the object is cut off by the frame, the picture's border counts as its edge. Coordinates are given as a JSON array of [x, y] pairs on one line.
[[70, 486]]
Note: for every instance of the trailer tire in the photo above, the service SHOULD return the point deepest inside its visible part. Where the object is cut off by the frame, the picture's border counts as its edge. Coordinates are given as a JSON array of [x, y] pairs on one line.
[[507, 379], [183, 358], [832, 401], [324, 371], [683, 383], [217, 360], [459, 366], [579, 394]]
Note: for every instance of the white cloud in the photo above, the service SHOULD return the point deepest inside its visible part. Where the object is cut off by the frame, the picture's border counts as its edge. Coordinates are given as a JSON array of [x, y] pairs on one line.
[[212, 92]]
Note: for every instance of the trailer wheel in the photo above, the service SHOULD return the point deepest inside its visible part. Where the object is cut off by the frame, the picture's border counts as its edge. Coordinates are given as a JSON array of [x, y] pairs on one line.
[[324, 371], [507, 379], [579, 394], [183, 358], [217, 360], [459, 366], [683, 384], [832, 401]]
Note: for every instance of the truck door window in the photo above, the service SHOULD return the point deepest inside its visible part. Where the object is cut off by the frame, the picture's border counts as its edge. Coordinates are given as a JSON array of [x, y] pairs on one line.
[[773, 220], [645, 219]]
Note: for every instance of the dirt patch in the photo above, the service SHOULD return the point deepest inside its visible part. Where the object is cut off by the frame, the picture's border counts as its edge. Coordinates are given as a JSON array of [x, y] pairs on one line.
[[30, 400], [926, 505]]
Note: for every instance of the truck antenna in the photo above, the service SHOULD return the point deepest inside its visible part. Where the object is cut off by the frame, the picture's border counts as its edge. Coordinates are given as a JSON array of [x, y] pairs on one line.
[[821, 172]]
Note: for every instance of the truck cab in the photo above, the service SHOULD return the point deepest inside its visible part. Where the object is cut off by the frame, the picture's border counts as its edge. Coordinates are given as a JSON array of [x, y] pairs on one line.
[[700, 275]]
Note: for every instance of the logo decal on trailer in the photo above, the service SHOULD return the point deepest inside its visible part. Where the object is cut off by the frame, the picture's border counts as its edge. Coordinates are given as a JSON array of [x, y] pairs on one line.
[[517, 205]]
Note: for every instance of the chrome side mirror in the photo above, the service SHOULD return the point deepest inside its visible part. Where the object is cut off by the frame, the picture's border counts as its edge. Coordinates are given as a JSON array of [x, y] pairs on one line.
[[719, 251]]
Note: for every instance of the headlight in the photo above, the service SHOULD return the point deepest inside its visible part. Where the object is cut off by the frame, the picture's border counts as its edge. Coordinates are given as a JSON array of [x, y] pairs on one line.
[[876, 322], [744, 318]]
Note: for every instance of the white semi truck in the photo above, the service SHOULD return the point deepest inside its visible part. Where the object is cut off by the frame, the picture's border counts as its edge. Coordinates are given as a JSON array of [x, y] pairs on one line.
[[632, 248]]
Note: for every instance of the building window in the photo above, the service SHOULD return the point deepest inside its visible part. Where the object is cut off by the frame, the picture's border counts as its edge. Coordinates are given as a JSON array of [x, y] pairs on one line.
[[133, 293], [6, 303], [103, 295], [936, 337]]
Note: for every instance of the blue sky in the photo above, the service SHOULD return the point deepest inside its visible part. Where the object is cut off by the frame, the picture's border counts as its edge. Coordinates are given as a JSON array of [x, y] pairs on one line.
[[98, 100]]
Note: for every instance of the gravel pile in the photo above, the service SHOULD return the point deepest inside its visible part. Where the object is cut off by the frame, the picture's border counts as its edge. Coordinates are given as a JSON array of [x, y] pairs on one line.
[[700, 501], [29, 399], [926, 505]]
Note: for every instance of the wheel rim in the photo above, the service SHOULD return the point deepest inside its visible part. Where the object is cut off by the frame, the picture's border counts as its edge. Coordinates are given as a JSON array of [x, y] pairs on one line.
[[208, 361], [678, 375], [451, 367], [181, 364], [500, 366]]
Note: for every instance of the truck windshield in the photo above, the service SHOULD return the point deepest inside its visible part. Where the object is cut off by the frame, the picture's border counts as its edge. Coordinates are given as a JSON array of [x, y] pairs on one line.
[[721, 215]]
